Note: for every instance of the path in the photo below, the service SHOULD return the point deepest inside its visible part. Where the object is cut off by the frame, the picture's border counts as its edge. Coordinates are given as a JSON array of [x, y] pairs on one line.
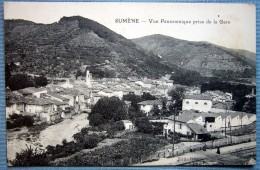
[[211, 155], [54, 134]]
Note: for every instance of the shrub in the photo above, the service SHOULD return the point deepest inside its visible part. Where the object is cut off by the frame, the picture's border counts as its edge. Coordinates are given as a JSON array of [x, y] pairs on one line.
[[143, 125], [17, 120], [31, 157]]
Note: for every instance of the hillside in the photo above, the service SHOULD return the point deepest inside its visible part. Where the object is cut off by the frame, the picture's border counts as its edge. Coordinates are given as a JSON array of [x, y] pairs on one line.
[[204, 57], [61, 48]]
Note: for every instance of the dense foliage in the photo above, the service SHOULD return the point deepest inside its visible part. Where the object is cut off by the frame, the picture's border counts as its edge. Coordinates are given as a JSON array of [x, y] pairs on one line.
[[61, 43], [145, 126], [106, 110], [21, 81], [135, 99], [123, 153], [176, 95], [17, 120], [31, 157], [187, 77]]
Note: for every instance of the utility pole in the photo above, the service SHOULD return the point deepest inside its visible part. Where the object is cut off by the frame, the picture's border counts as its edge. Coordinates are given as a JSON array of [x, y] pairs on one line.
[[174, 114], [226, 123], [230, 131]]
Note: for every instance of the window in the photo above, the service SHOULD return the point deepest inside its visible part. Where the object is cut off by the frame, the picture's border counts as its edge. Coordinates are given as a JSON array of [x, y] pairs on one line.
[[205, 103], [180, 126], [196, 102], [187, 102]]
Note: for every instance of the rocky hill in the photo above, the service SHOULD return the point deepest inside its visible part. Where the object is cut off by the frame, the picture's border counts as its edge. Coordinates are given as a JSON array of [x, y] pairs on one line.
[[62, 48], [204, 57]]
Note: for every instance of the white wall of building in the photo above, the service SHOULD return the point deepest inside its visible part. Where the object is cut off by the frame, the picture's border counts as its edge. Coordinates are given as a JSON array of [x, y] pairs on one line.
[[179, 128], [200, 105]]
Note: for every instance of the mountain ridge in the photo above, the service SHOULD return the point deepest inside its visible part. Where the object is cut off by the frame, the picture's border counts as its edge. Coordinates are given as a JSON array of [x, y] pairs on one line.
[[51, 48], [203, 57]]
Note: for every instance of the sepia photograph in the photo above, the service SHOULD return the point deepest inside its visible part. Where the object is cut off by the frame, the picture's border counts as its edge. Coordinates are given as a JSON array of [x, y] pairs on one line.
[[115, 84]]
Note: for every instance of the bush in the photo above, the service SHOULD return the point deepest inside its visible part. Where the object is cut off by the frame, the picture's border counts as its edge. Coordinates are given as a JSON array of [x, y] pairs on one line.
[[17, 120], [91, 142], [143, 125], [31, 157]]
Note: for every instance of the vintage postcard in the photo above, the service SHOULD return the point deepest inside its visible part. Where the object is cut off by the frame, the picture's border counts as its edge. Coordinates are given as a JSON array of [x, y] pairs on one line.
[[130, 84]]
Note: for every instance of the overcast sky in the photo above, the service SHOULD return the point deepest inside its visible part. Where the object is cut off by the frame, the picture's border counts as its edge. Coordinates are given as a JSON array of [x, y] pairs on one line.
[[239, 34]]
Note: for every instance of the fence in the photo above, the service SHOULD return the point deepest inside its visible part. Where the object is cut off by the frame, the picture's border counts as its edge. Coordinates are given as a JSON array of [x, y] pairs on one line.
[[231, 140]]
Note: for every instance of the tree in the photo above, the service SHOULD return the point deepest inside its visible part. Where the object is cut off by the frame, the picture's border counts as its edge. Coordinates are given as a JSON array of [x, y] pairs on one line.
[[134, 99], [187, 77], [177, 95], [19, 81], [148, 96], [7, 73], [143, 125], [250, 105], [133, 114], [40, 81], [107, 109], [155, 110]]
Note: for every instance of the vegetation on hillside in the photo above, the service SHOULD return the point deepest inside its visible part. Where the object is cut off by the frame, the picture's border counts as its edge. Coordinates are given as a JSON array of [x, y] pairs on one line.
[[50, 49], [203, 57]]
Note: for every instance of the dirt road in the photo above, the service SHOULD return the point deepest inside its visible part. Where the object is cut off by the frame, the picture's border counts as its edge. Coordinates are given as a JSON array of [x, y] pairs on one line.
[[52, 135]]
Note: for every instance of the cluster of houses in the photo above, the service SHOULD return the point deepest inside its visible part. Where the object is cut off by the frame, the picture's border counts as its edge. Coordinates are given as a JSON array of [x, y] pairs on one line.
[[63, 99], [201, 113]]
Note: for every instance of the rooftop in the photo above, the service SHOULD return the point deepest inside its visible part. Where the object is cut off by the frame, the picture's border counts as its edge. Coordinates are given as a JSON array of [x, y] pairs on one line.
[[150, 102], [197, 129], [198, 97]]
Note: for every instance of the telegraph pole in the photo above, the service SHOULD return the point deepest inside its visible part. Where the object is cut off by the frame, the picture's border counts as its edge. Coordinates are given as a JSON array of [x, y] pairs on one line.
[[174, 114], [230, 131], [226, 123]]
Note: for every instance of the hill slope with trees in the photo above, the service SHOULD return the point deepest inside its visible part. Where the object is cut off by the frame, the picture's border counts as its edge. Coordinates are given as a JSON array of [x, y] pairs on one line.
[[61, 48], [206, 58]]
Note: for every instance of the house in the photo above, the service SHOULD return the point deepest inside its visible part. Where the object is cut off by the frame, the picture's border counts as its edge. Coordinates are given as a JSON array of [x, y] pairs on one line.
[[57, 105], [193, 90], [202, 103], [38, 92], [38, 105], [190, 117], [14, 103], [128, 124], [191, 130], [32, 91], [220, 96], [147, 105], [67, 84]]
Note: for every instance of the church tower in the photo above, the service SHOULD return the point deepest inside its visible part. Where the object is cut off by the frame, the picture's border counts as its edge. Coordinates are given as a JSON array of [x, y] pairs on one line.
[[88, 78]]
